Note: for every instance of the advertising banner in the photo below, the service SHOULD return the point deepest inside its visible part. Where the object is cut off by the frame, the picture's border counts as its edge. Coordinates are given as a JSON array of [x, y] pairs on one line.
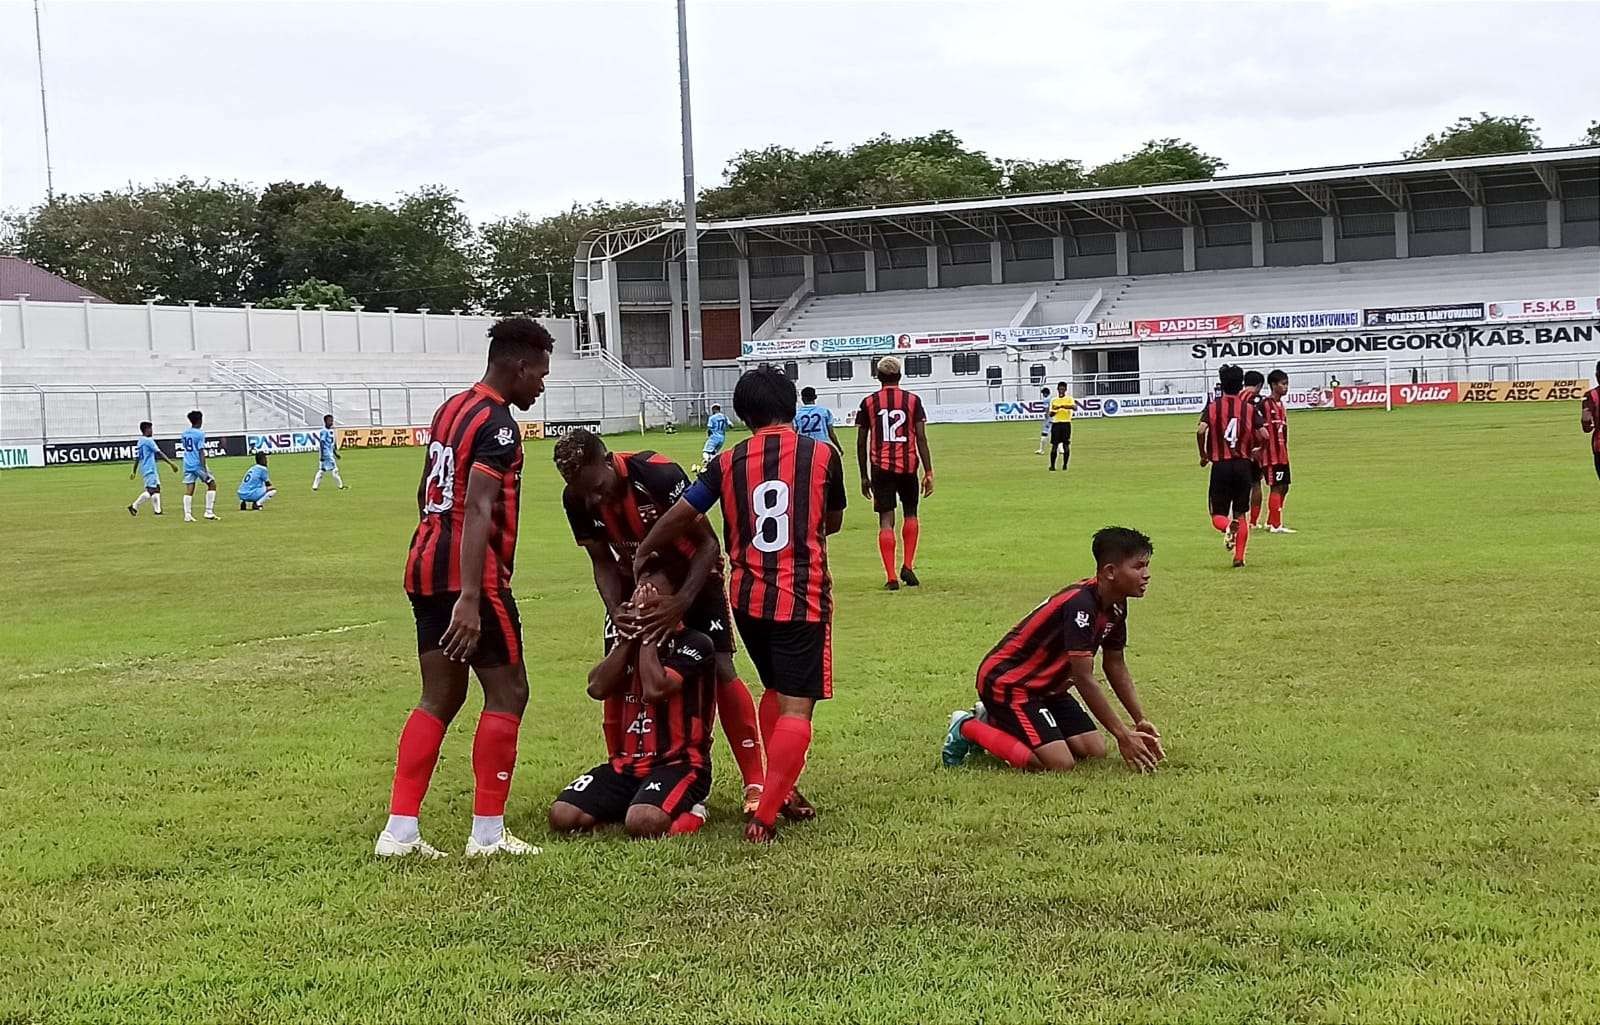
[[376, 437], [1402, 316], [282, 441], [1440, 339], [72, 453], [561, 428], [15, 457], [420, 436], [1544, 309], [1188, 327], [833, 345], [946, 340], [1053, 334], [1424, 394], [1308, 398], [1145, 405], [532, 430], [1114, 329], [1299, 323], [1361, 396], [1523, 391]]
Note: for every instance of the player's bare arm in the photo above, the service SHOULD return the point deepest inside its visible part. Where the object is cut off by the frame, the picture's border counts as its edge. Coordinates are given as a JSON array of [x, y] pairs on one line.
[[610, 675], [1589, 416], [1135, 750], [678, 521], [927, 458], [460, 638], [658, 681], [609, 578], [1115, 664], [1200, 434], [833, 438], [863, 439]]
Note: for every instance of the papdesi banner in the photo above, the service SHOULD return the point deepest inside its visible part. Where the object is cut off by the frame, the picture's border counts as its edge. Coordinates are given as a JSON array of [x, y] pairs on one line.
[[1299, 323], [1189, 327], [1478, 337], [1523, 391], [1543, 309], [973, 339], [1053, 334], [1400, 316]]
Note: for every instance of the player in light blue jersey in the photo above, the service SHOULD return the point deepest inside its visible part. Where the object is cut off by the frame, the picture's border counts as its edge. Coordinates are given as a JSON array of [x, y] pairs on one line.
[[814, 421], [327, 454], [1044, 421], [193, 446], [716, 436], [145, 454], [256, 489]]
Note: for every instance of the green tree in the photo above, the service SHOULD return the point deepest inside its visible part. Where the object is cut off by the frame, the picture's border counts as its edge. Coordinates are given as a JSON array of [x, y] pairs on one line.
[[1044, 176], [1479, 136], [283, 258], [525, 262], [1159, 160], [1591, 137], [423, 246], [312, 292]]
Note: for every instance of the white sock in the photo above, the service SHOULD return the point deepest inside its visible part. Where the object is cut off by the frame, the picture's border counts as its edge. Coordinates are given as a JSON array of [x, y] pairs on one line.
[[155, 500], [317, 481], [488, 829], [403, 828], [188, 505], [336, 478], [144, 496], [271, 494], [211, 500]]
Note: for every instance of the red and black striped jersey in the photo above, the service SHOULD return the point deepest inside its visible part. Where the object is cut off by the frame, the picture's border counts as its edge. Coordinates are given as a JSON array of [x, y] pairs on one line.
[[776, 490], [676, 731], [1031, 660], [1276, 416], [891, 414], [1231, 423], [473, 432], [648, 485], [1591, 402]]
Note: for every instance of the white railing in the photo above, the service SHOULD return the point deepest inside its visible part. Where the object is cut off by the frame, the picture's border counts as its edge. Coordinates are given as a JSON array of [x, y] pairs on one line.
[[775, 322], [657, 399], [269, 388]]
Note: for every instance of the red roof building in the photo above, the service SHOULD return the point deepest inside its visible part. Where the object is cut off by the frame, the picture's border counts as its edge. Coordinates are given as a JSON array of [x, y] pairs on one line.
[[19, 277]]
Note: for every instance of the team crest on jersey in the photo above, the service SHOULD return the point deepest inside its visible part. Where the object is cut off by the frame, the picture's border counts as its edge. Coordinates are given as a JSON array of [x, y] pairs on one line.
[[505, 435], [1083, 620]]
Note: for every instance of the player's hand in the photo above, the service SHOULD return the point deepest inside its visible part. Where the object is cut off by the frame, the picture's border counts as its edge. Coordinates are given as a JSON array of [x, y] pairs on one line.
[[626, 621], [866, 489], [927, 484], [1152, 736], [131, 476], [660, 616], [460, 638], [1204, 461], [1137, 752]]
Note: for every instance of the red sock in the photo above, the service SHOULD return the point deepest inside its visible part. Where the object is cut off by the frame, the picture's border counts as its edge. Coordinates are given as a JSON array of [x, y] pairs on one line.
[[1240, 540], [738, 714], [413, 766], [686, 823], [786, 757], [613, 723], [886, 549], [1221, 523], [769, 717], [912, 531], [997, 742], [1275, 510], [1255, 510], [494, 758]]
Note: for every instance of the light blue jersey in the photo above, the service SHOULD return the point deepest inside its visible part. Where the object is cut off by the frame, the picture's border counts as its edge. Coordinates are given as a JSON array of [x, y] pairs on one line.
[[325, 447], [813, 422], [147, 455], [254, 486], [193, 444], [717, 425]]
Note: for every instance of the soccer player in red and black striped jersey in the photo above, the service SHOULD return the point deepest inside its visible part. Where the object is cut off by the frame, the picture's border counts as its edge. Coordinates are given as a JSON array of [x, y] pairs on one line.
[[458, 576], [781, 496], [1253, 383], [1229, 431], [612, 500], [1026, 714], [1276, 450], [892, 434], [1589, 418], [658, 776]]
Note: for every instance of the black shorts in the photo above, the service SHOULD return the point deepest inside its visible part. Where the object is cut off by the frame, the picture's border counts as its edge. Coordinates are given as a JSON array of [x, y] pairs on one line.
[[1258, 473], [1279, 476], [499, 644], [1231, 481], [794, 659], [1061, 434], [888, 486], [1041, 721], [605, 794], [710, 614]]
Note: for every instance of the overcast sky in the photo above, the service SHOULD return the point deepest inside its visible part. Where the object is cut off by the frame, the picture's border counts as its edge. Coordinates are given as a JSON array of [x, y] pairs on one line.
[[530, 106]]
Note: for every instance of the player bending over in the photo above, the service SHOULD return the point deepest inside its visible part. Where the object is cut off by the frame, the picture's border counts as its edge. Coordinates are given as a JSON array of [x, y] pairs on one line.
[[658, 777], [1588, 417], [612, 500], [814, 421], [1230, 428], [458, 577], [195, 471], [1060, 414], [145, 454], [256, 489], [716, 436], [893, 426], [327, 454], [781, 495], [1276, 450], [1026, 714]]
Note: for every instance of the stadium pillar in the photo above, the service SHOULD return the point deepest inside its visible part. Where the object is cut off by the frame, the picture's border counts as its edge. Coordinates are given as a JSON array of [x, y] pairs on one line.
[[1258, 244], [1058, 257], [1188, 247], [1122, 253], [1402, 235], [1474, 229], [870, 265], [808, 267], [675, 321], [932, 258], [997, 265], [1552, 224], [1329, 252], [745, 316]]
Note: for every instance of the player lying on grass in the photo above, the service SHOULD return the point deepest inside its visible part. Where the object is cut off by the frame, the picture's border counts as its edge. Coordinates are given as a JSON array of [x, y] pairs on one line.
[[1026, 715], [655, 783], [256, 489], [145, 454]]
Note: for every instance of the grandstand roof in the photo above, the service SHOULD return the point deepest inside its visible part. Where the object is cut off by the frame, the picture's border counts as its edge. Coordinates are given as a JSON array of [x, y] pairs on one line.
[[1309, 192]]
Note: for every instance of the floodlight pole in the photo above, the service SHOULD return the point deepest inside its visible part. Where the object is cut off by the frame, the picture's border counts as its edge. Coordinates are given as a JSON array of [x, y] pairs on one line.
[[691, 241], [44, 108]]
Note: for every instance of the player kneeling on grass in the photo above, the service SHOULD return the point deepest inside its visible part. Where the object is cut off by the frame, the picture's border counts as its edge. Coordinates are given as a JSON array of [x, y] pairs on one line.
[[656, 782], [1026, 714], [256, 489]]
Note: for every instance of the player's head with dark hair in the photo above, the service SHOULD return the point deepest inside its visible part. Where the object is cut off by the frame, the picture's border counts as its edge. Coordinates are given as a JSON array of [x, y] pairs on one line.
[[519, 359], [808, 395], [1044, 393], [584, 463], [1279, 381], [716, 407], [1122, 560], [662, 575], [327, 419], [1253, 379], [763, 397], [146, 428], [194, 418], [261, 458], [1062, 387], [1231, 378], [887, 370]]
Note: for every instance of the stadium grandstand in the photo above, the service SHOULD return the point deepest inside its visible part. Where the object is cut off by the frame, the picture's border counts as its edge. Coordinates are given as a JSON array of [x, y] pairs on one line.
[[1138, 283]]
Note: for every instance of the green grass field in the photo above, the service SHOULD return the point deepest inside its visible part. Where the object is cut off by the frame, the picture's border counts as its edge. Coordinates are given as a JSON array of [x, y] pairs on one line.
[[1381, 803]]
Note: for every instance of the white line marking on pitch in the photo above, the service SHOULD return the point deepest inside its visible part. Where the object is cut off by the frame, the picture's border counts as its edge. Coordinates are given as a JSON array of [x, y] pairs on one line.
[[148, 659]]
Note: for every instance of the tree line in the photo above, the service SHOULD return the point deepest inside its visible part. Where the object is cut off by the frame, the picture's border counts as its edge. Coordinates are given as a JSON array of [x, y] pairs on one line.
[[224, 243]]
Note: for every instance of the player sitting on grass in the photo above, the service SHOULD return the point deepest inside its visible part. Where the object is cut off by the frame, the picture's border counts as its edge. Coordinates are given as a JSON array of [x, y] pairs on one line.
[[256, 489], [1026, 715], [656, 783]]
